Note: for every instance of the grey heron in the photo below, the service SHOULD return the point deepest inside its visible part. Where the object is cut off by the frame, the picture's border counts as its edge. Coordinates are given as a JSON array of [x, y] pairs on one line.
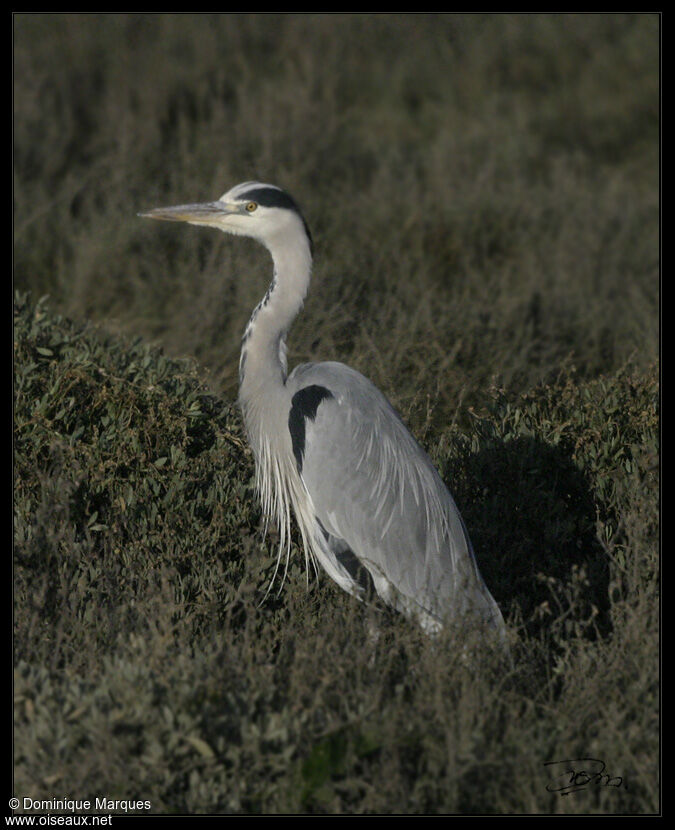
[[329, 447]]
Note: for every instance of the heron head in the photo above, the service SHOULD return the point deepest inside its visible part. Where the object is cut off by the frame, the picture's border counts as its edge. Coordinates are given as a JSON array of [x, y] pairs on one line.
[[261, 211]]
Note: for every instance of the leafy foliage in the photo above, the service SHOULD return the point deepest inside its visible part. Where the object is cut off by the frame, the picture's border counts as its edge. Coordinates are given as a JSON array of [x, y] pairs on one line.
[[146, 667], [483, 194]]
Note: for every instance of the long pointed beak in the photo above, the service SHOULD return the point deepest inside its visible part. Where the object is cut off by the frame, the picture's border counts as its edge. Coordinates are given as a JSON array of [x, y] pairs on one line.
[[201, 213]]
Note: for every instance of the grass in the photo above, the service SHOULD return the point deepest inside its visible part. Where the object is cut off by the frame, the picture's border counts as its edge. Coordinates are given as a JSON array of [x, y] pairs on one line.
[[486, 184], [483, 194]]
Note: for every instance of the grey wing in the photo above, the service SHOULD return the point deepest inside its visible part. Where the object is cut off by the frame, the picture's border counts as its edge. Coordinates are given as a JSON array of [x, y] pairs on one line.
[[377, 495]]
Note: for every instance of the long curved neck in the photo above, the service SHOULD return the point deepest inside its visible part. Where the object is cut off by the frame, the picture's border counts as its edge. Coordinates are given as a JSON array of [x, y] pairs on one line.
[[262, 366], [263, 396]]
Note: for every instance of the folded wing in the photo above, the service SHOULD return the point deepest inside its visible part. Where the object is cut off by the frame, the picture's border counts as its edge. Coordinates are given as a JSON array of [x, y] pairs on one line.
[[376, 493]]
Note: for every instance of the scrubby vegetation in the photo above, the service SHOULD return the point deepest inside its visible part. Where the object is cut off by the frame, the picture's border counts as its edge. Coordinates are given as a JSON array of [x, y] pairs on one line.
[[483, 193], [146, 666], [482, 190]]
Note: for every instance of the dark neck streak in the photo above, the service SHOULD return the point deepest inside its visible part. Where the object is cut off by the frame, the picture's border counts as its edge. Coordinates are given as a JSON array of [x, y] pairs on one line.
[[262, 366]]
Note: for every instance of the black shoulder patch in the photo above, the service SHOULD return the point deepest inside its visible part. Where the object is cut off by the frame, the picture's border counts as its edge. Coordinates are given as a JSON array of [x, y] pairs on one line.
[[304, 404]]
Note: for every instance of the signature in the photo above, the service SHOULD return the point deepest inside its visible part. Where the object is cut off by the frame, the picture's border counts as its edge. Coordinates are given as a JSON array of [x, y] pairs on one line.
[[578, 773]]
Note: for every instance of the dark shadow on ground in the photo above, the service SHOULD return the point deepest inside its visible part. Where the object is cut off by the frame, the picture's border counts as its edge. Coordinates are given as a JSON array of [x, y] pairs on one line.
[[530, 512]]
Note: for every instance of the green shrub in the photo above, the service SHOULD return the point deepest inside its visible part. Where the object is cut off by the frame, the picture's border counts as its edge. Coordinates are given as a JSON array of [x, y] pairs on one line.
[[483, 191], [146, 666], [551, 480]]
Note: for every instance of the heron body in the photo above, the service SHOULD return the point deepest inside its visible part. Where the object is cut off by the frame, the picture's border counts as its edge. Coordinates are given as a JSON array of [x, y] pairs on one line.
[[330, 448]]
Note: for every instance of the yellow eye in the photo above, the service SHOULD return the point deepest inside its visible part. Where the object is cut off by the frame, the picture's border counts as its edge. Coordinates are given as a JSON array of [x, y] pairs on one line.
[[251, 206]]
